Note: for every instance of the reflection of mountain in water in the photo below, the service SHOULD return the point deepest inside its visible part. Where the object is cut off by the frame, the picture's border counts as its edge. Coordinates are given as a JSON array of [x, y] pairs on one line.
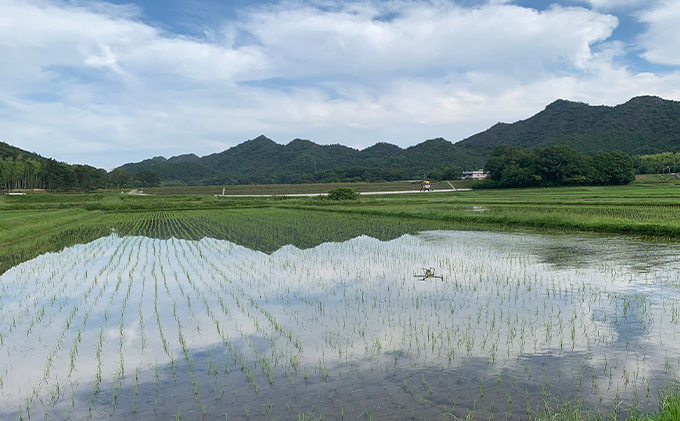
[[351, 315]]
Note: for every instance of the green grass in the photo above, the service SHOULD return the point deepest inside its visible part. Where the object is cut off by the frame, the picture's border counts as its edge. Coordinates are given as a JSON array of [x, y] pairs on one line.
[[648, 207], [575, 410], [33, 224]]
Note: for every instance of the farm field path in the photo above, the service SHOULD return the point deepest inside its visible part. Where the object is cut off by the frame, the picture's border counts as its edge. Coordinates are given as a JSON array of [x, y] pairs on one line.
[[325, 194]]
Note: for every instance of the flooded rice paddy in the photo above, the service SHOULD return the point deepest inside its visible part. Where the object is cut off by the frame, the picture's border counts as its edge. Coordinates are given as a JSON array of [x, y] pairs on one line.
[[134, 327]]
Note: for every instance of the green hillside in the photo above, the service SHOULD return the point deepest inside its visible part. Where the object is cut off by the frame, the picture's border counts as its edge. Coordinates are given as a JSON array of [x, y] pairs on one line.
[[20, 169], [261, 160], [9, 151], [643, 125]]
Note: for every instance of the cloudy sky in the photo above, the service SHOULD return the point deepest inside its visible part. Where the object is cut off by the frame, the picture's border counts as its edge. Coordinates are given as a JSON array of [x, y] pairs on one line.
[[105, 83]]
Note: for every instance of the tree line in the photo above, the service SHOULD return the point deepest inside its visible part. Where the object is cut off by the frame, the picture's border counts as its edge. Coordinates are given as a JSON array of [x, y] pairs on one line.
[[665, 162], [554, 166], [507, 166], [21, 173]]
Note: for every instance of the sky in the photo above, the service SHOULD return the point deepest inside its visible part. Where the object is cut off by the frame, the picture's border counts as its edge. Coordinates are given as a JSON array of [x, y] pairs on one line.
[[104, 83]]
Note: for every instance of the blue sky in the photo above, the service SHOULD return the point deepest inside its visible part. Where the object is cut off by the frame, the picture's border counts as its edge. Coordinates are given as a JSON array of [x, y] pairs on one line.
[[105, 83]]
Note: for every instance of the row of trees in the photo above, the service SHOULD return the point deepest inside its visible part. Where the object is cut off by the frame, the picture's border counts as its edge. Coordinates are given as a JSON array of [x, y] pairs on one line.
[[21, 173], [556, 166], [30, 173], [657, 163]]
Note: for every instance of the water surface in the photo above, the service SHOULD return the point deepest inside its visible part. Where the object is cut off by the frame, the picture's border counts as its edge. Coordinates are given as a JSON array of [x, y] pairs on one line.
[[136, 327]]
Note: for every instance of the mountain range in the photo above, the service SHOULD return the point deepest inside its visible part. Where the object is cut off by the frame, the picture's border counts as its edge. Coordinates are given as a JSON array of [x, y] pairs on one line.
[[643, 125], [261, 160]]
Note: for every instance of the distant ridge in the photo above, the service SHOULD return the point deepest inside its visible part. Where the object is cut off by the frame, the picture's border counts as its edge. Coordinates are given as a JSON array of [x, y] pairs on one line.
[[643, 125], [261, 160]]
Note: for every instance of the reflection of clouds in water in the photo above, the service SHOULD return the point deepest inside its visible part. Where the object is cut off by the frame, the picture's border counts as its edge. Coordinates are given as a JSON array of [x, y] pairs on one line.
[[627, 254], [504, 297]]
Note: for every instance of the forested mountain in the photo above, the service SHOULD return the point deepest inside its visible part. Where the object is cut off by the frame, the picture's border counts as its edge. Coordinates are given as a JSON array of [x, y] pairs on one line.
[[643, 125], [261, 160]]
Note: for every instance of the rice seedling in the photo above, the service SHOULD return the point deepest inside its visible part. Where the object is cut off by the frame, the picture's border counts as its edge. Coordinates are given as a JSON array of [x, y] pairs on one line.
[[515, 308]]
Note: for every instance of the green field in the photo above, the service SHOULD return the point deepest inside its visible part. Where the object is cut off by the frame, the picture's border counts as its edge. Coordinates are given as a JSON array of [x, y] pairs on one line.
[[39, 222]]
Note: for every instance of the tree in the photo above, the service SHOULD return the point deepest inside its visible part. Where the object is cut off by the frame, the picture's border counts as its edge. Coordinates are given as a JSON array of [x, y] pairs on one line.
[[506, 156], [147, 178], [614, 167], [119, 177], [59, 175], [90, 178], [561, 165], [452, 173]]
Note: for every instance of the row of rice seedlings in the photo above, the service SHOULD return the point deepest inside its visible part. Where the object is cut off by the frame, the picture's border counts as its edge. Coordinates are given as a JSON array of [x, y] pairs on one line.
[[147, 254], [85, 303], [35, 295], [265, 363], [238, 356], [169, 288], [245, 303], [119, 368], [114, 265], [188, 358], [89, 306], [154, 274], [135, 256]]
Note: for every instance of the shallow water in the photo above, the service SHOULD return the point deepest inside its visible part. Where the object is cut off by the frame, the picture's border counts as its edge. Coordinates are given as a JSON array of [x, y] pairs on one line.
[[133, 326]]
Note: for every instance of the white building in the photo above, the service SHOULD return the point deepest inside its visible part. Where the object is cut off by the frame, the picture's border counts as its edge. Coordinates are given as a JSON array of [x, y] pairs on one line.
[[474, 175]]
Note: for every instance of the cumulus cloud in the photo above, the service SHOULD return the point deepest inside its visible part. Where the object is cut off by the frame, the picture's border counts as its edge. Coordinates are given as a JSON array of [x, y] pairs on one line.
[[421, 37], [662, 39], [91, 82]]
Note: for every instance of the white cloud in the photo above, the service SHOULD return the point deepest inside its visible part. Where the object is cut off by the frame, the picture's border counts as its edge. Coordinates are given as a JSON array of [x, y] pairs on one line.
[[609, 5], [662, 39], [90, 82], [424, 37]]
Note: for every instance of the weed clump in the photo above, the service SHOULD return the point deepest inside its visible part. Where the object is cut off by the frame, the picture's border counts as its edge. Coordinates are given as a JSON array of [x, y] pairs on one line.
[[343, 193]]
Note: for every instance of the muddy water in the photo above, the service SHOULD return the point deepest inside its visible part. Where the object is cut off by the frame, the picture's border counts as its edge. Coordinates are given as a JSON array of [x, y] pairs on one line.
[[136, 327]]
